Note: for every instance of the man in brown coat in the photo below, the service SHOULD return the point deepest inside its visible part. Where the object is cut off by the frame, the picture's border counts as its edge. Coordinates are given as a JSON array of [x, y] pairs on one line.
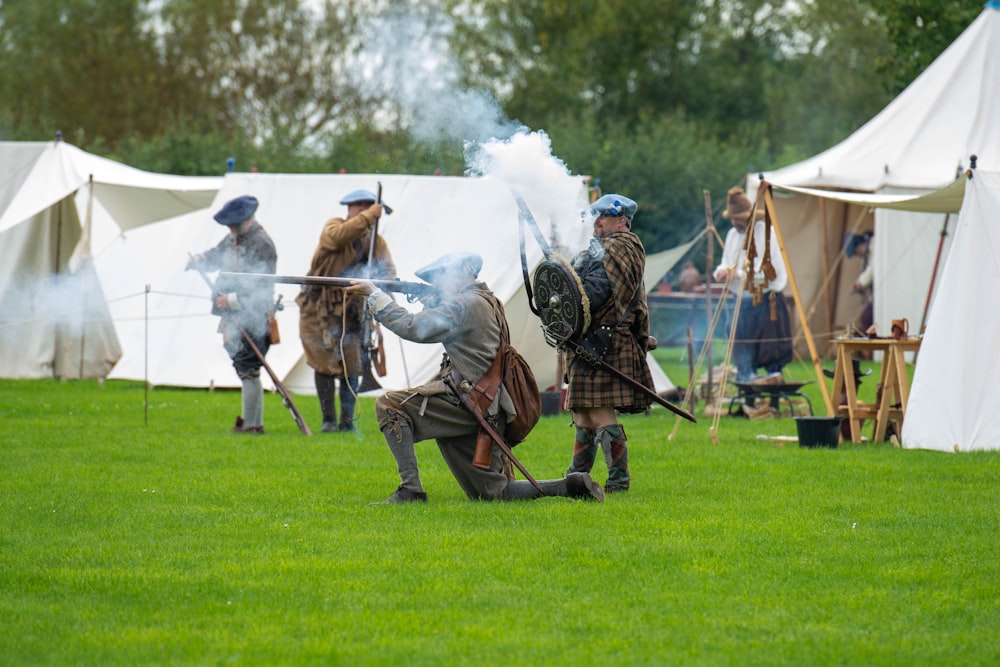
[[332, 323]]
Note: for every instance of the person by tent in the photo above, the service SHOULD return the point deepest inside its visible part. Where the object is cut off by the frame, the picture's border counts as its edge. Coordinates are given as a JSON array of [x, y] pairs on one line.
[[464, 316], [243, 305], [331, 321], [763, 337], [861, 245]]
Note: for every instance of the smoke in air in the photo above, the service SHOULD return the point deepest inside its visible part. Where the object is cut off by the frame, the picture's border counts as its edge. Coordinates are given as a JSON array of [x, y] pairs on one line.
[[421, 79]]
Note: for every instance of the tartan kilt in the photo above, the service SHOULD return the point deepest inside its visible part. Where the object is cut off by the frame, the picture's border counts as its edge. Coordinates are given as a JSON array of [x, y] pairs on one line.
[[591, 387]]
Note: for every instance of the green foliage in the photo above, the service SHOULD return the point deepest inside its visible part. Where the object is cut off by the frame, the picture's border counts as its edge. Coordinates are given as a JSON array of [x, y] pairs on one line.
[[86, 67], [176, 542], [918, 31], [659, 99], [664, 161]]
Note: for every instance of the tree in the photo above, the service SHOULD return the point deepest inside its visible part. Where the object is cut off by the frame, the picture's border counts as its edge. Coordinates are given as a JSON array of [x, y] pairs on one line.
[[86, 67]]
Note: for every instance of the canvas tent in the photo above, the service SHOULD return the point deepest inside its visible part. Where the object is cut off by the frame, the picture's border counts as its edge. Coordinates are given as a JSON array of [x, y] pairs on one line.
[[921, 142], [954, 395], [56, 203], [176, 343]]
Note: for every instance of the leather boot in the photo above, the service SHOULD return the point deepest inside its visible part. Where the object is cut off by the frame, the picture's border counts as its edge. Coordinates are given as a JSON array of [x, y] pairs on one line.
[[348, 398], [325, 388], [615, 445], [573, 485], [584, 450]]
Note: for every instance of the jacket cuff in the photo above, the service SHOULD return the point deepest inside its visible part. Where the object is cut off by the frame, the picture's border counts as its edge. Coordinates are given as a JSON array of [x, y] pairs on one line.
[[378, 300]]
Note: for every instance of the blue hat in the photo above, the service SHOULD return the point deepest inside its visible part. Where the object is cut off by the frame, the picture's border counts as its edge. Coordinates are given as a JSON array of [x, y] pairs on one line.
[[363, 197], [235, 211], [468, 261], [614, 205]]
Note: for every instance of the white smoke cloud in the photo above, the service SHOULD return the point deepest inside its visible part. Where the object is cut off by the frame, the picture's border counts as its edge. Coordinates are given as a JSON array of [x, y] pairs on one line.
[[422, 81]]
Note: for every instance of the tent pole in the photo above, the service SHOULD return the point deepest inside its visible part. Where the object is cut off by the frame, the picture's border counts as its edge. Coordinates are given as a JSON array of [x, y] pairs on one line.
[[824, 234], [937, 260], [87, 225], [709, 329], [765, 190], [145, 370]]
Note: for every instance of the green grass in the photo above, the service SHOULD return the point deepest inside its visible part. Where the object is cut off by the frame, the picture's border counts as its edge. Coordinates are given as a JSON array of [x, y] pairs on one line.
[[175, 542]]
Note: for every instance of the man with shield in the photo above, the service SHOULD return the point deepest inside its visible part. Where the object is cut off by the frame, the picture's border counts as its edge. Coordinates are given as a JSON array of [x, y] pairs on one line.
[[611, 273]]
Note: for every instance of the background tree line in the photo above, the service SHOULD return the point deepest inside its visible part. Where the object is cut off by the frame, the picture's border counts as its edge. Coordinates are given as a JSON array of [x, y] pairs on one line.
[[660, 99]]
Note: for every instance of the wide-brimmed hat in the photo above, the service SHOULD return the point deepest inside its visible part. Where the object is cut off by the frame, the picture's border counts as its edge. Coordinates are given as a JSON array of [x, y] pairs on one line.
[[738, 205], [236, 211]]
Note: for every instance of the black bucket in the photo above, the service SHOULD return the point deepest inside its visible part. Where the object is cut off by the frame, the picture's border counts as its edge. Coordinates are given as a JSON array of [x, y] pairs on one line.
[[819, 431], [551, 402]]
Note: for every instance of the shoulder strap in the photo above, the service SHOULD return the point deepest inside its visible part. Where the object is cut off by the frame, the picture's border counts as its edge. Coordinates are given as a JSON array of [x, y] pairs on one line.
[[485, 389]]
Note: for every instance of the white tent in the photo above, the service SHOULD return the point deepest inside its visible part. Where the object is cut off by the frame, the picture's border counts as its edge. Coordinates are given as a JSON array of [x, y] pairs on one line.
[[169, 337], [56, 202], [954, 397], [919, 143]]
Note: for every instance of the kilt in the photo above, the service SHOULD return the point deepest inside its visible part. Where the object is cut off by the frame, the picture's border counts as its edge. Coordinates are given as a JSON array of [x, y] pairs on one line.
[[591, 387]]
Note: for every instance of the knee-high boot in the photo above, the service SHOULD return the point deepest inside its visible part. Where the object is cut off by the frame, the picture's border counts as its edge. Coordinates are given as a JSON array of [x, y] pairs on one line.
[[399, 437], [325, 388], [584, 450], [348, 397], [615, 445]]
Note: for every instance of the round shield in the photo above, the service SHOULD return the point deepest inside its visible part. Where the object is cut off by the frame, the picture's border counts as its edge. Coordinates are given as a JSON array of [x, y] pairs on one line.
[[562, 304]]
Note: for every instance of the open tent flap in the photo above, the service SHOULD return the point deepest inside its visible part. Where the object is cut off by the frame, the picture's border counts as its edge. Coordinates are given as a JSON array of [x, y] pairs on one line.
[[54, 317], [947, 199], [35, 176], [53, 322]]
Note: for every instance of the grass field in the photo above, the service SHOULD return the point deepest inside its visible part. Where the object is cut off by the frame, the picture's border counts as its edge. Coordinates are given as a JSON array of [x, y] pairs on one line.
[[130, 537]]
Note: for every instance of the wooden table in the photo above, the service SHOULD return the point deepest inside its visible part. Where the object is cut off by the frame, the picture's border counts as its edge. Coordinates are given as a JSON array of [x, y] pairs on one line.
[[891, 407]]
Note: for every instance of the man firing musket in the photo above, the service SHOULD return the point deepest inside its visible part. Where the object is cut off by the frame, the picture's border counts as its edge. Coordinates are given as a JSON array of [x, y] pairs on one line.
[[244, 307], [332, 323]]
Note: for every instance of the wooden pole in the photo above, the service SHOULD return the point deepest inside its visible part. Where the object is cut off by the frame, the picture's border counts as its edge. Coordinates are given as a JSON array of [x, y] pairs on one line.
[[765, 191], [824, 234], [709, 329]]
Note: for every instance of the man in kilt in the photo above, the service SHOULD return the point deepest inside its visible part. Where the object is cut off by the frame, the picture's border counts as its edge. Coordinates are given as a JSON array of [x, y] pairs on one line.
[[611, 270]]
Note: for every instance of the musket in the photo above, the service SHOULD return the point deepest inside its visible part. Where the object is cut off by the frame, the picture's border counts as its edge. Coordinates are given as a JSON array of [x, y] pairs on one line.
[[286, 398], [373, 235], [368, 381], [453, 380], [415, 289]]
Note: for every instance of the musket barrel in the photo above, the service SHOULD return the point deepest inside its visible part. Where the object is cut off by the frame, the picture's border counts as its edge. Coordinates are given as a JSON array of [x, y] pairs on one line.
[[412, 288]]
